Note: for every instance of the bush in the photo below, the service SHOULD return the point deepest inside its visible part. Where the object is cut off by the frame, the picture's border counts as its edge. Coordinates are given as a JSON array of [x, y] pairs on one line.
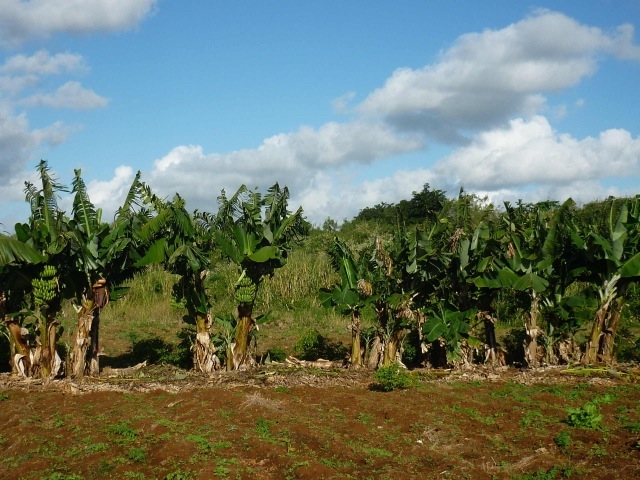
[[392, 377], [588, 416], [312, 345], [276, 354], [514, 345]]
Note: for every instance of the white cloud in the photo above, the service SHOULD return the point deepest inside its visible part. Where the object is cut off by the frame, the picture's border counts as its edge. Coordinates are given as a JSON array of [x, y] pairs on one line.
[[485, 78], [17, 144], [327, 196], [531, 152], [22, 20], [20, 72], [109, 195], [43, 63], [70, 95], [292, 159]]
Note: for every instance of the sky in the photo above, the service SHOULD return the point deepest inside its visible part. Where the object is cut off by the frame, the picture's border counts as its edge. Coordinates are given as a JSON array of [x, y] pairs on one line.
[[348, 103]]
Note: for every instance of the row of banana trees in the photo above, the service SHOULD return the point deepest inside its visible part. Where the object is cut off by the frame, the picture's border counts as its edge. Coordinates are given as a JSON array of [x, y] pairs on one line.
[[438, 282], [442, 281], [56, 257]]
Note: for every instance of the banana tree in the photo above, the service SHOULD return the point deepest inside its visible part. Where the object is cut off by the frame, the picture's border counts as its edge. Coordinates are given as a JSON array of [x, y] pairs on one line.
[[15, 257], [256, 233], [392, 274], [614, 262], [102, 256], [47, 232], [178, 241], [350, 295], [535, 262], [471, 249]]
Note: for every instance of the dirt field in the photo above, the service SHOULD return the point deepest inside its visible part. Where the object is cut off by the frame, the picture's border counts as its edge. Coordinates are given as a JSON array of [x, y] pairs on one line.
[[163, 423]]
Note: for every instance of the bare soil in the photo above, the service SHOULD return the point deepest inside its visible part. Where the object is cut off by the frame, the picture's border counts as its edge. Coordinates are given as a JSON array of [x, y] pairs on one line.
[[285, 423]]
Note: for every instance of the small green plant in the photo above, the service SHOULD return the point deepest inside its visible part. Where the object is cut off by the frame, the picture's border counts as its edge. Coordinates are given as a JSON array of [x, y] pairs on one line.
[[365, 418], [587, 416], [123, 430], [563, 440], [633, 427], [263, 427], [551, 474], [203, 444], [4, 396], [61, 476], [392, 377], [137, 455], [282, 389], [135, 475], [97, 447], [179, 475]]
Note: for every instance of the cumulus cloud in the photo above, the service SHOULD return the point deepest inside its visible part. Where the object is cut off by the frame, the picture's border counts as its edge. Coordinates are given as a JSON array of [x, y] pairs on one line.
[[326, 196], [485, 78], [23, 20], [43, 63], [70, 95], [291, 158], [531, 152], [20, 75], [110, 194]]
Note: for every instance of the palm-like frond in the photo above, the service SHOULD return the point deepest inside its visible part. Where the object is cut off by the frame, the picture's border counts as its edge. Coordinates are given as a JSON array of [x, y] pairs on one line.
[[49, 202], [231, 208], [133, 200], [84, 213], [14, 251]]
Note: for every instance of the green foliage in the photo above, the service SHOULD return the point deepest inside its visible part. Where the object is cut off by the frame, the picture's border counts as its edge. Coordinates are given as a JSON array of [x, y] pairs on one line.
[[512, 343], [137, 455], [62, 476], [123, 430], [263, 428], [312, 345], [453, 327], [550, 474], [563, 440], [276, 354], [392, 377], [587, 416], [180, 475]]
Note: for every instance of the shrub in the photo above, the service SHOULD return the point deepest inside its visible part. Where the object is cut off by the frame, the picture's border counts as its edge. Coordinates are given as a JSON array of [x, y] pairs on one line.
[[276, 354], [513, 343], [391, 378], [312, 345], [563, 440], [588, 416]]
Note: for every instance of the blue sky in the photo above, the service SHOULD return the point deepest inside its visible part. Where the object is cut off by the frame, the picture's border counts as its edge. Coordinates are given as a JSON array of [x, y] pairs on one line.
[[349, 103]]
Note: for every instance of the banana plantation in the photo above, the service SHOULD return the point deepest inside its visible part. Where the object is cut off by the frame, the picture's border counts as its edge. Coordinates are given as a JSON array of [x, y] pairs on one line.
[[428, 288]]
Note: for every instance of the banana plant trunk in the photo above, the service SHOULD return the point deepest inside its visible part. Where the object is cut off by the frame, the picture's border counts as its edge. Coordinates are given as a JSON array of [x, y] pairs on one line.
[[84, 356], [356, 349], [18, 347], [205, 359], [390, 351], [491, 354], [46, 360], [242, 358], [600, 343], [531, 332]]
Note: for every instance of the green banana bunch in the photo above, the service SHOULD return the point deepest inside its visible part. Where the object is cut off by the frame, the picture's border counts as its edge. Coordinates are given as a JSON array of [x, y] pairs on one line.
[[245, 290], [45, 286]]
